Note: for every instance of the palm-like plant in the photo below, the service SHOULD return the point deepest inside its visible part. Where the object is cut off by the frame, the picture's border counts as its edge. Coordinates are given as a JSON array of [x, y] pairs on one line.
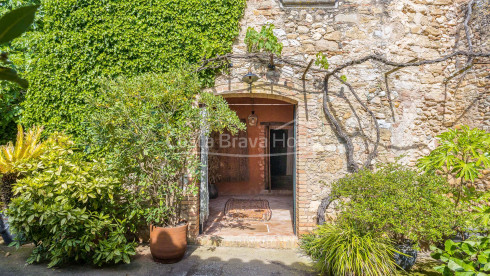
[[462, 154], [27, 146], [346, 251]]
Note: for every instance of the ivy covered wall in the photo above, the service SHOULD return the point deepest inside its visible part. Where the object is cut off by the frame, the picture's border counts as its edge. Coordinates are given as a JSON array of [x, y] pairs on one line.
[[75, 42]]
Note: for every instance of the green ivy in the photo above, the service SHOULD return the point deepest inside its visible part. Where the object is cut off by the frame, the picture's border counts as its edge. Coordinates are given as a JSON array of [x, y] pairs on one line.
[[75, 42]]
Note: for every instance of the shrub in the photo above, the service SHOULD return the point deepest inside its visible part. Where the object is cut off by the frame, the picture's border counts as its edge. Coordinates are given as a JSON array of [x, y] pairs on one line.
[[471, 257], [399, 202], [148, 128], [70, 209], [346, 250], [461, 156], [74, 42]]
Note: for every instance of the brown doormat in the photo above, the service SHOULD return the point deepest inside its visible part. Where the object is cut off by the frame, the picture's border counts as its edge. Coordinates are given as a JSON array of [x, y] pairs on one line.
[[260, 228], [248, 209]]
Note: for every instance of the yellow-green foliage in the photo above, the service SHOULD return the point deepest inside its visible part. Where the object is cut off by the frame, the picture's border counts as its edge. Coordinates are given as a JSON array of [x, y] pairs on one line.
[[27, 146]]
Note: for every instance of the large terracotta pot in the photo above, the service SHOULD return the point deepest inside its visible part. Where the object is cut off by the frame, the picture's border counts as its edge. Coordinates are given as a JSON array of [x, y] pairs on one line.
[[168, 244]]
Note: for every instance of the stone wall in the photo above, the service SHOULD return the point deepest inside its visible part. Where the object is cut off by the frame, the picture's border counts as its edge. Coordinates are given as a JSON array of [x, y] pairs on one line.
[[400, 30]]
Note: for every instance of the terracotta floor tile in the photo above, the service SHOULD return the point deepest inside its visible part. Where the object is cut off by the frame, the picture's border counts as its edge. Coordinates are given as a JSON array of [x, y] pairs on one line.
[[280, 223]]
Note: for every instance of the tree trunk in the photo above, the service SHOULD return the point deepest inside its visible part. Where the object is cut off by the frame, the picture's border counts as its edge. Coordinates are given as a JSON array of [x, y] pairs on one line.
[[6, 183]]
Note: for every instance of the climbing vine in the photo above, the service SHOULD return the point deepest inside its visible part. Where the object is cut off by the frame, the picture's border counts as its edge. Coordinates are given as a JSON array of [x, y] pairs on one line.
[[76, 42]]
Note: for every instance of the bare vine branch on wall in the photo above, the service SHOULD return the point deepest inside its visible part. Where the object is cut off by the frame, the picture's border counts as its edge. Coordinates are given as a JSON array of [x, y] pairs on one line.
[[352, 164]]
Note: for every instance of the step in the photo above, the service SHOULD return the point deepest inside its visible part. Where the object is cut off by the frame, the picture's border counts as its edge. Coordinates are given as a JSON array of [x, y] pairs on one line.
[[270, 242], [276, 192]]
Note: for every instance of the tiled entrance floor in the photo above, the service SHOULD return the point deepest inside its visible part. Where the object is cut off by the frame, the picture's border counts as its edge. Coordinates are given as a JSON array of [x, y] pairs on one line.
[[275, 233]]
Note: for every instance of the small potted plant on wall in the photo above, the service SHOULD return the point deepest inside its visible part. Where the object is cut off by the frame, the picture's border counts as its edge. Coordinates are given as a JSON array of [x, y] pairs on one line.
[[147, 127]]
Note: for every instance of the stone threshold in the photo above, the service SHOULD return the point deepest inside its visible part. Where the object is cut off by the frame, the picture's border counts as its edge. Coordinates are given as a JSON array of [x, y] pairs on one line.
[[276, 192], [270, 242]]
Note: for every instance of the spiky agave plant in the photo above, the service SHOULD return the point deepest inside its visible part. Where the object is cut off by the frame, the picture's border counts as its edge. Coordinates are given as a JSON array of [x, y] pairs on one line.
[[27, 146], [346, 251]]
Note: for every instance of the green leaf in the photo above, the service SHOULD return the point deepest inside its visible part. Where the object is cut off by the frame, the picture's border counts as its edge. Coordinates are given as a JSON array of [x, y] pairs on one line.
[[444, 270], [9, 74], [126, 259], [450, 246], [483, 259], [455, 266], [16, 22], [466, 273], [468, 249], [486, 267]]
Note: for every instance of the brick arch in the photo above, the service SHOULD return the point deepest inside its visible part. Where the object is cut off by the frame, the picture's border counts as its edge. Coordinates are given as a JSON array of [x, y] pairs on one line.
[[260, 96]]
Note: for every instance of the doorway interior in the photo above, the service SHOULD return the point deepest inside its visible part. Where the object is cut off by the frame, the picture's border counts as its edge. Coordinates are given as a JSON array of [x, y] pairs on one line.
[[262, 171], [281, 158]]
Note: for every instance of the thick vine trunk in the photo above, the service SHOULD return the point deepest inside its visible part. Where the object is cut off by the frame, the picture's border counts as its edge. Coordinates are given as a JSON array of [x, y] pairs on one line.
[[322, 209]]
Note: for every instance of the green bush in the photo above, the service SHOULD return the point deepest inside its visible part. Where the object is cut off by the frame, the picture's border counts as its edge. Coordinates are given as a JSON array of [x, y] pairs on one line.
[[468, 258], [70, 209], [147, 128], [265, 40], [346, 250], [74, 42], [398, 201], [461, 157]]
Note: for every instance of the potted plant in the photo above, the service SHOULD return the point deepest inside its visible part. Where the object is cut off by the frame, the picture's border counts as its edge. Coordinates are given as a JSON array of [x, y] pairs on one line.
[[148, 127], [168, 231]]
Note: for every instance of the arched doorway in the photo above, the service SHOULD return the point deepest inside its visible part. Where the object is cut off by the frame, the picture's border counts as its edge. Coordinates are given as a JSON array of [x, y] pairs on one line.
[[256, 164]]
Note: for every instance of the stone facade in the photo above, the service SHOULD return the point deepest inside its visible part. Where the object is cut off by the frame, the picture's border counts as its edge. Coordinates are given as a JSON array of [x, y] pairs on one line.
[[400, 30]]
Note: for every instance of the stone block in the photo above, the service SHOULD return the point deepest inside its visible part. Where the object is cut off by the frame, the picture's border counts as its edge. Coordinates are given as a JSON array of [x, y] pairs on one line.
[[347, 18], [326, 45], [303, 30], [334, 36]]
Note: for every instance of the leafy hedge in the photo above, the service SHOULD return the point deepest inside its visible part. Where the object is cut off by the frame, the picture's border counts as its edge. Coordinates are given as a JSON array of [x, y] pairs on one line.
[[74, 42], [399, 202], [70, 209]]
